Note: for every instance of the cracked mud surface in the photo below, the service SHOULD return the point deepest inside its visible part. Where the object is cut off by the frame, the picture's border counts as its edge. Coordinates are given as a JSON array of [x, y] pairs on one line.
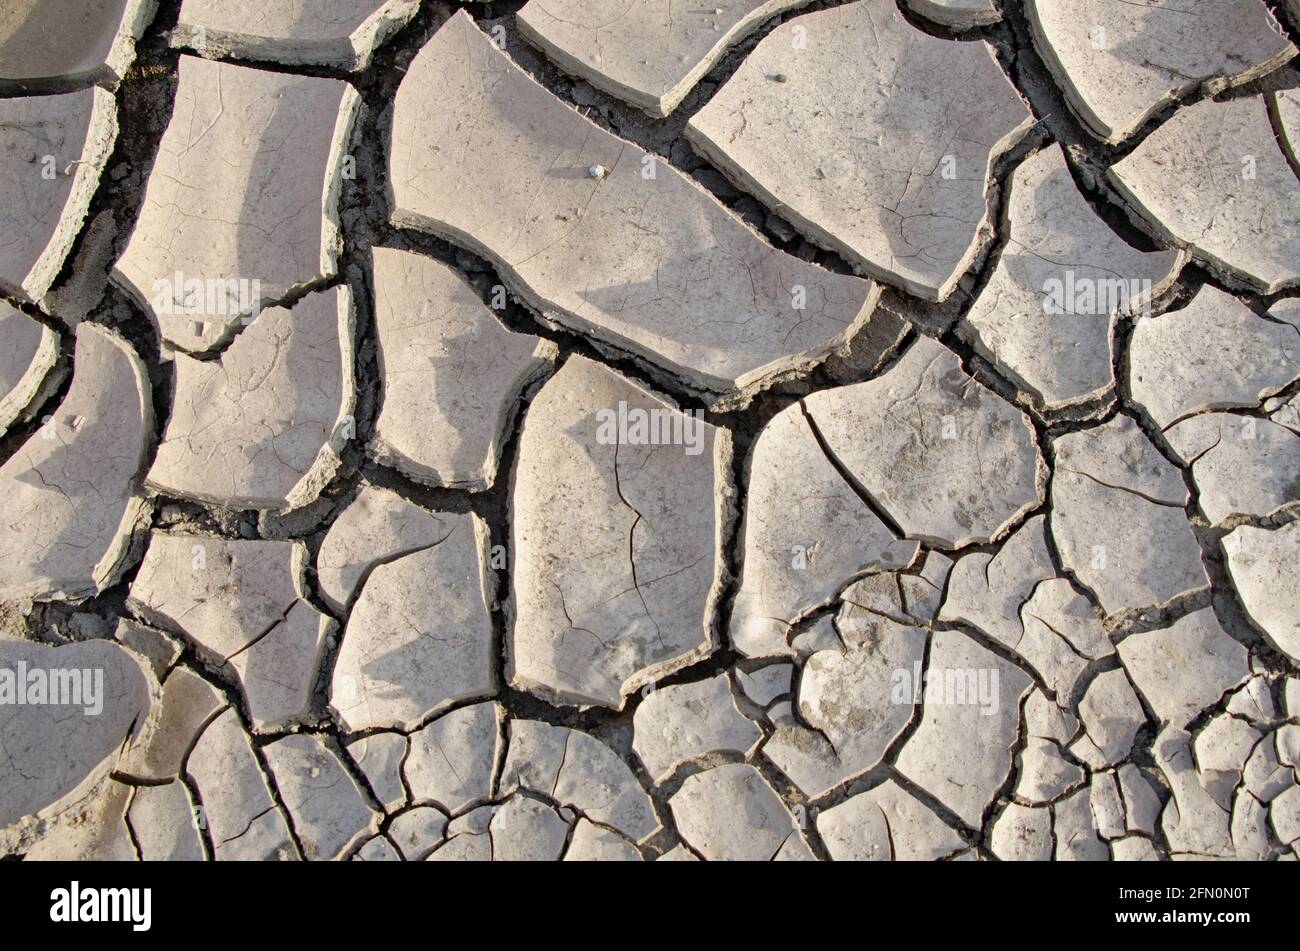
[[560, 430]]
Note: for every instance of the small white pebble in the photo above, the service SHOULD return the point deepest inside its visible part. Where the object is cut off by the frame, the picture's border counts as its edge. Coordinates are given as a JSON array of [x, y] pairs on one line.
[[596, 171]]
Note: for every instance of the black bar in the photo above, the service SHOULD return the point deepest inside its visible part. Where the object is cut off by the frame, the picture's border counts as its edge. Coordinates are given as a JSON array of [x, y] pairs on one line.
[[337, 901]]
